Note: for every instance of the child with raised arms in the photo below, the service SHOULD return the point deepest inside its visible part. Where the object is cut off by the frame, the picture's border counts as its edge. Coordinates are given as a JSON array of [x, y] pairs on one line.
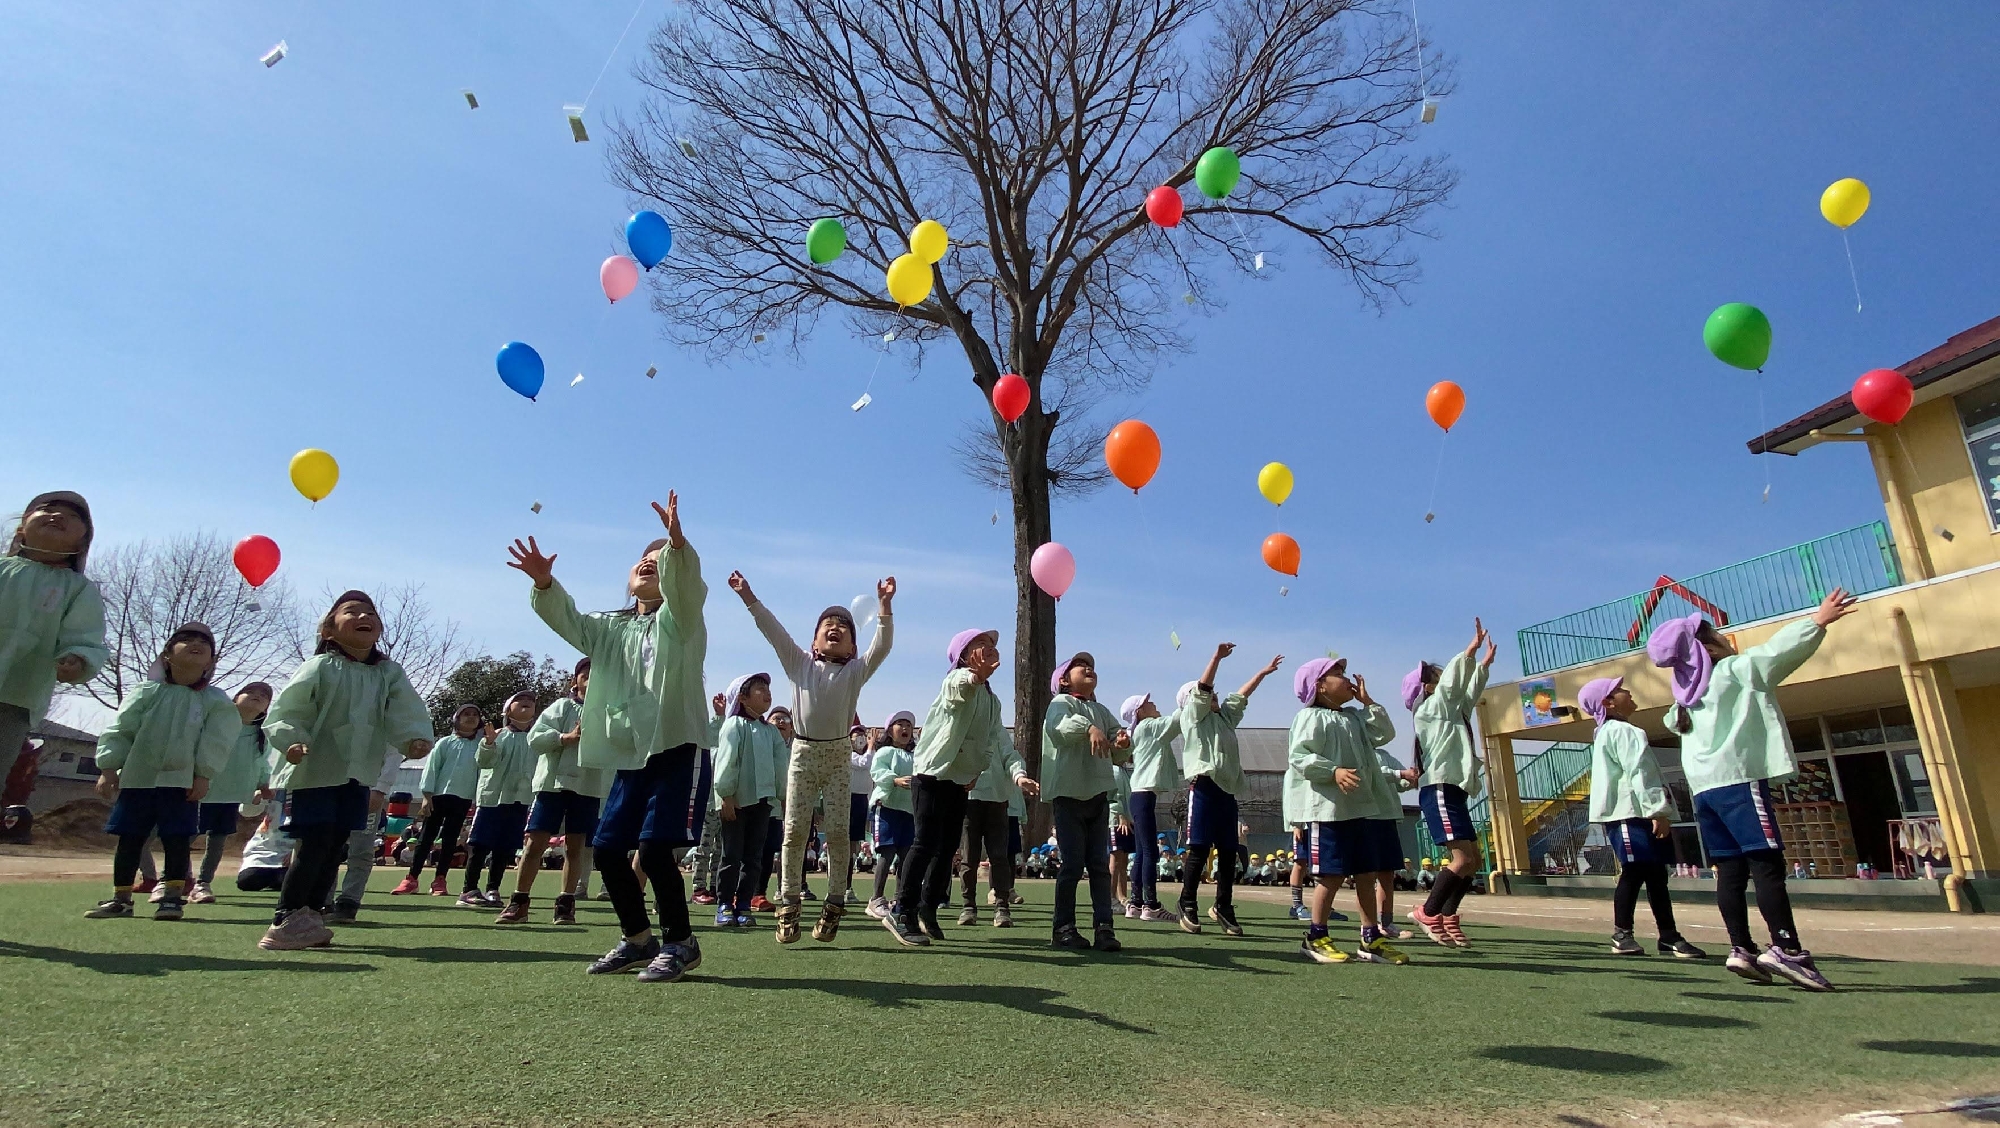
[[1155, 772], [332, 722], [245, 777], [1214, 768], [1084, 741], [54, 616], [645, 718], [171, 736], [567, 797], [826, 687], [747, 757], [449, 783], [962, 732], [506, 778], [891, 814], [1629, 800], [1443, 699], [1733, 743]]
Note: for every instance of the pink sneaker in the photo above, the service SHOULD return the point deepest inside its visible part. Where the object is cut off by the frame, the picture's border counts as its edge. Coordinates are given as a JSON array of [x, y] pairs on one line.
[[407, 885], [1433, 926], [438, 888]]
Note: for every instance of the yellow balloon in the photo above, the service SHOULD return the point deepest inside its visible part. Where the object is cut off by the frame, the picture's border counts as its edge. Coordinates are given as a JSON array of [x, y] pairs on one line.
[[929, 242], [909, 280], [1844, 202], [1274, 481], [314, 473]]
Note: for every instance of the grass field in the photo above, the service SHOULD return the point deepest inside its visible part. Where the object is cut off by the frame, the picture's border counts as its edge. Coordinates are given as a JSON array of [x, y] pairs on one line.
[[429, 1014]]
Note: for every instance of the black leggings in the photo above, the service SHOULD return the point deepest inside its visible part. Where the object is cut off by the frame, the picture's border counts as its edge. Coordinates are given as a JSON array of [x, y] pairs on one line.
[[1225, 880], [1652, 875], [476, 859], [125, 861], [629, 899], [886, 859], [309, 881], [447, 819], [1451, 889], [925, 882], [1767, 869]]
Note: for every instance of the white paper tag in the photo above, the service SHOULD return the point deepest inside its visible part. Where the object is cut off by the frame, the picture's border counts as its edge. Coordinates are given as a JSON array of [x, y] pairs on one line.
[[271, 58], [864, 401]]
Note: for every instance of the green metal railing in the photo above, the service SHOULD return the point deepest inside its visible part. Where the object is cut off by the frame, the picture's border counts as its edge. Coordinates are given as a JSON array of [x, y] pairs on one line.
[[1544, 776], [1861, 559]]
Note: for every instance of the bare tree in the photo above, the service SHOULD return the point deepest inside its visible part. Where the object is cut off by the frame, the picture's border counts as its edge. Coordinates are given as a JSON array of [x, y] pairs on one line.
[[425, 645], [151, 588], [1033, 130]]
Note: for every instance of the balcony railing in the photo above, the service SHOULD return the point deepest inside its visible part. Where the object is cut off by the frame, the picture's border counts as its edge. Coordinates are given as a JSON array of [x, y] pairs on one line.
[[1794, 579]]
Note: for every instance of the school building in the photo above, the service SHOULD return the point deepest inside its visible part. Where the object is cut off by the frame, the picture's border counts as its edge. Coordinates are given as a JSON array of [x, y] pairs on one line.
[[1895, 721]]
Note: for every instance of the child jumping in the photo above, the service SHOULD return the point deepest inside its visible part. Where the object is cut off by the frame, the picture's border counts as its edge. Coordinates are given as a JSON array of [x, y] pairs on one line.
[[645, 718], [1155, 772], [747, 758], [506, 778], [449, 783], [54, 616], [889, 804], [1733, 743], [171, 736], [567, 797], [1215, 777], [1443, 700], [1083, 740], [1336, 789], [826, 687], [245, 777], [1628, 798]]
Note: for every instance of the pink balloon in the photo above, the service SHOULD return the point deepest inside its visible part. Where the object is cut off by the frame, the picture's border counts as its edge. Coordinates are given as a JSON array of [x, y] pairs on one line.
[[619, 276], [1053, 568]]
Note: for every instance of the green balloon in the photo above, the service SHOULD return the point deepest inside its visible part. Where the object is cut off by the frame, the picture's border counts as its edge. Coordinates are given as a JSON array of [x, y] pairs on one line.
[[1215, 174], [825, 241], [1738, 335]]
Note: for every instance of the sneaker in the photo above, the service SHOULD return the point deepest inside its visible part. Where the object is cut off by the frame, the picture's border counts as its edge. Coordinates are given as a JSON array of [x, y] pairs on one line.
[[493, 899], [1746, 963], [516, 910], [725, 917], [320, 936], [1796, 966], [1458, 937], [760, 904], [625, 957], [170, 909], [343, 911], [1134, 910], [1066, 936], [927, 920], [439, 889], [1189, 920], [1300, 912], [992, 898], [1379, 950], [905, 930], [1003, 916], [828, 925], [1321, 949], [601, 895], [848, 898], [1622, 944], [968, 916], [1680, 949], [1158, 916], [1390, 930], [106, 910], [1433, 926], [565, 912], [297, 932], [471, 899], [665, 967], [878, 907], [788, 924], [1016, 899], [407, 885], [805, 891], [690, 950], [1107, 940], [159, 893], [1227, 918], [201, 894], [1331, 914], [701, 897], [1214, 915]]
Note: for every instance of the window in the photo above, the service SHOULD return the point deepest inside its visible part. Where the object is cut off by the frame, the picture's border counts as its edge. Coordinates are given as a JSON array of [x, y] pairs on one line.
[[1898, 727], [1979, 414], [1855, 730], [1913, 782], [66, 758], [1806, 736], [88, 766]]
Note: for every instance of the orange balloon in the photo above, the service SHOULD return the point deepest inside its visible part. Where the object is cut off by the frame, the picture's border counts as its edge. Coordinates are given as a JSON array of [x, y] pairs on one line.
[[1282, 554], [1133, 452], [1444, 401]]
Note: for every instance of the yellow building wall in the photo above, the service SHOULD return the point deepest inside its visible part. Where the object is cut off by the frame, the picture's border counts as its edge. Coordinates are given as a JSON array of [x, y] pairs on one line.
[[1929, 450], [1980, 757]]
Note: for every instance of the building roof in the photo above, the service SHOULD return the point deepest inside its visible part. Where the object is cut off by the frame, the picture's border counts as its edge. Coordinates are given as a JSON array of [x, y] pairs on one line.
[[1974, 345], [53, 731]]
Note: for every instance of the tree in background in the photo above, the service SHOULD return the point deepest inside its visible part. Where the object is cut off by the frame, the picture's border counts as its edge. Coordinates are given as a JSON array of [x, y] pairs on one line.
[[1033, 130], [488, 682]]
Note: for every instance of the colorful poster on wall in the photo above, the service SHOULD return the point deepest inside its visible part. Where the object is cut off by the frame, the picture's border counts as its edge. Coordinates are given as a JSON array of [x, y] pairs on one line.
[[1538, 702]]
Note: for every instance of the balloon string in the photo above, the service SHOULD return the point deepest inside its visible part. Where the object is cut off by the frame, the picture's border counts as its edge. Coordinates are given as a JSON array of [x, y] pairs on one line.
[[1763, 430], [1851, 275], [1241, 234], [614, 51], [1436, 475], [871, 372], [1416, 27]]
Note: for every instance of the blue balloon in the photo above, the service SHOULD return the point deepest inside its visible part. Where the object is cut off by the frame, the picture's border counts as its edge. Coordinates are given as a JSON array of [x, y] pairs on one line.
[[649, 238], [520, 368]]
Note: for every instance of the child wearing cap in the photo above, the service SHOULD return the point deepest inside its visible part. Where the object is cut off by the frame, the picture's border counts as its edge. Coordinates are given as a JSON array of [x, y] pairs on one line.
[[645, 719], [826, 687], [1443, 700], [962, 733], [54, 616], [890, 768], [343, 707], [567, 798], [747, 756], [1733, 743], [1155, 772], [1084, 742], [986, 812], [1215, 777], [449, 783], [1336, 790], [506, 775], [245, 777], [1628, 798], [171, 736]]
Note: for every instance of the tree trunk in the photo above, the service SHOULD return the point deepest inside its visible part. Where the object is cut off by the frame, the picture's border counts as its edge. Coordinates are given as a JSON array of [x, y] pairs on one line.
[[1034, 611]]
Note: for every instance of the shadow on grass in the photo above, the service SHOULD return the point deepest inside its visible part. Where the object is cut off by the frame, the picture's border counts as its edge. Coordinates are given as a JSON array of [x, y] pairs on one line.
[[1236, 956], [157, 963], [1979, 985], [1028, 1000], [437, 955], [1746, 997], [1678, 1019], [1576, 1059], [1922, 1048]]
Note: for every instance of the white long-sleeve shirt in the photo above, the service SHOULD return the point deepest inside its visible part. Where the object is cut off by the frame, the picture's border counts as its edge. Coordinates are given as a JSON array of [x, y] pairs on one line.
[[824, 694]]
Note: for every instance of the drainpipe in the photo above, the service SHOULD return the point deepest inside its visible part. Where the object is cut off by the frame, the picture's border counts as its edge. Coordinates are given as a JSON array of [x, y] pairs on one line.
[[1934, 733], [1913, 549]]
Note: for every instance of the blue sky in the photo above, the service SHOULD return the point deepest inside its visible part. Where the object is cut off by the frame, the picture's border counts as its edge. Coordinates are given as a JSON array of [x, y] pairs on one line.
[[207, 266]]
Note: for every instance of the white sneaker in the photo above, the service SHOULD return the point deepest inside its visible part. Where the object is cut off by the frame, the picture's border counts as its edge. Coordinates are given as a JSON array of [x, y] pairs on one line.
[[851, 899], [1133, 911], [301, 929], [878, 907], [201, 894], [1159, 915], [159, 893]]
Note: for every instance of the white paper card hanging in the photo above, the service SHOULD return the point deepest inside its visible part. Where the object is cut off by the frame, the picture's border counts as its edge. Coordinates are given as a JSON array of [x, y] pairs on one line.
[[578, 380], [864, 401], [535, 508], [471, 100], [652, 371], [576, 129], [1430, 111], [271, 58]]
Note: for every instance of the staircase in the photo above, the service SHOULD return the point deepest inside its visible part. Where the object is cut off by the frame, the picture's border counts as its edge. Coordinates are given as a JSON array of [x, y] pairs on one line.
[[1555, 789]]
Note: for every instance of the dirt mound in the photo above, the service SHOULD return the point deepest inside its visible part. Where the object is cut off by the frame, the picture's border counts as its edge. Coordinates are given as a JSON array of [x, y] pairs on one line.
[[77, 823]]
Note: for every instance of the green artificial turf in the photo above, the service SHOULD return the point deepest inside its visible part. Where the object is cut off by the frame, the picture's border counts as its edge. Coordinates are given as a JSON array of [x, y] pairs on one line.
[[429, 1013]]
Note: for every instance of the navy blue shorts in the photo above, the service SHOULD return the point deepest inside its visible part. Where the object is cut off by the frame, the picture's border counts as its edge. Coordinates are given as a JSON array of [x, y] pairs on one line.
[[218, 818], [1368, 845], [1445, 813], [857, 816], [499, 827], [563, 812], [1319, 849], [1632, 840], [143, 810], [665, 801], [1212, 815], [893, 829], [1737, 820], [342, 807], [1121, 839]]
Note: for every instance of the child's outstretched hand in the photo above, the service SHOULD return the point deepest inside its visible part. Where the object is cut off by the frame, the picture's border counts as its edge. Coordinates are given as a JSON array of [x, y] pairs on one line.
[[982, 663], [528, 560], [1122, 740], [1361, 690], [885, 593], [1478, 637], [1492, 651], [490, 732], [1224, 649], [1271, 667], [741, 587], [670, 516], [1836, 606], [717, 703], [1029, 787], [69, 669]]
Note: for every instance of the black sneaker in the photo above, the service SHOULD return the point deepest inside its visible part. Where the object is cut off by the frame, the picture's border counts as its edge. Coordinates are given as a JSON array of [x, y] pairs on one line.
[[106, 910], [1066, 936], [690, 952], [1107, 941], [343, 911], [1225, 915], [1680, 949], [927, 920], [565, 910], [625, 957], [169, 909], [1622, 944], [904, 929], [1190, 918], [674, 961]]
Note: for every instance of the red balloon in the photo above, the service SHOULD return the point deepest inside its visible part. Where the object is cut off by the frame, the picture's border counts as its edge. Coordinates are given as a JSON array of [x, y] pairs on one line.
[[1884, 395], [1163, 206], [257, 558], [1010, 396]]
